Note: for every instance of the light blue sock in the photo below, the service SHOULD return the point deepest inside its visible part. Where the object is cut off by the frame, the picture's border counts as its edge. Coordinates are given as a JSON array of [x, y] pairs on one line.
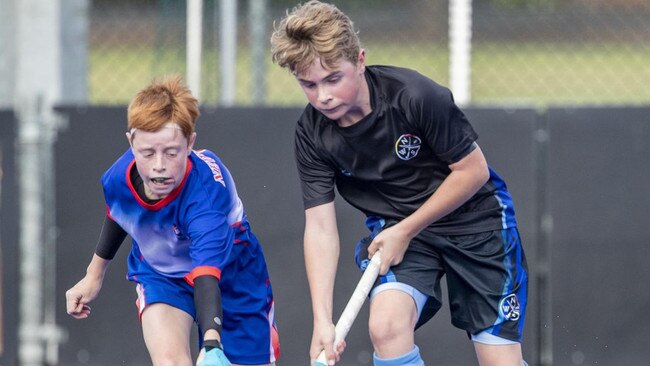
[[410, 359]]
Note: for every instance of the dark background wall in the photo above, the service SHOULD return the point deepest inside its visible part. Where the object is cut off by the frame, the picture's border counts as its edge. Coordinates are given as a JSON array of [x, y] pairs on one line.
[[590, 175], [599, 197], [8, 238]]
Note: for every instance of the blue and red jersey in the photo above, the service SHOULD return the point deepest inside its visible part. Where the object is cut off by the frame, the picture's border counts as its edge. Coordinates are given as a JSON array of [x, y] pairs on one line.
[[190, 231]]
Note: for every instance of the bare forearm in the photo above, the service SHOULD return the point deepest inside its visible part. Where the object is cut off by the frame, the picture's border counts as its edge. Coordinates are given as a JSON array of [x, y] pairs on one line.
[[459, 186], [321, 263], [321, 245], [87, 289], [97, 267], [450, 195]]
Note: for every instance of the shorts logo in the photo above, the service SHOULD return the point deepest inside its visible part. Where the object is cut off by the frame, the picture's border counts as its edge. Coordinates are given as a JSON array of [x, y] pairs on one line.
[[407, 146], [509, 307], [345, 172]]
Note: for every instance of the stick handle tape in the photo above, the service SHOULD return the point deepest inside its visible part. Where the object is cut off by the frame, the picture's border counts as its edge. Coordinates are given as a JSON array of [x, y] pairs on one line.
[[354, 304]]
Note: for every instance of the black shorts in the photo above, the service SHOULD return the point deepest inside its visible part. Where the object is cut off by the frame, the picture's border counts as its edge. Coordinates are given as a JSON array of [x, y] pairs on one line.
[[487, 278]]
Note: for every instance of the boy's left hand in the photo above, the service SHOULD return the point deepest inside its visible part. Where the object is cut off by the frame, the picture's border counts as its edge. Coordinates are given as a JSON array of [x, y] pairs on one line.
[[393, 244], [213, 357]]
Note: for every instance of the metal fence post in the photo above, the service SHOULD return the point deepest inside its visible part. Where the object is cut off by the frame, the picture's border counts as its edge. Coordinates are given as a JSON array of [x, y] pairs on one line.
[[38, 87], [257, 22], [194, 45], [228, 51], [460, 50]]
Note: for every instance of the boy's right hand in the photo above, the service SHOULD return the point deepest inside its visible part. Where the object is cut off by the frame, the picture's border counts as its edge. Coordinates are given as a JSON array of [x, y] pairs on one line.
[[323, 339], [80, 295]]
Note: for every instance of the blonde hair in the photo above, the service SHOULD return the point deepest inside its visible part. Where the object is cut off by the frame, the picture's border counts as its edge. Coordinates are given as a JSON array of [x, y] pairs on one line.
[[165, 100], [311, 31]]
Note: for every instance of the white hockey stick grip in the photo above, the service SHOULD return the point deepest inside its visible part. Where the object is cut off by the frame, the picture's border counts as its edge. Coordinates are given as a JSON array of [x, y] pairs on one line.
[[354, 304]]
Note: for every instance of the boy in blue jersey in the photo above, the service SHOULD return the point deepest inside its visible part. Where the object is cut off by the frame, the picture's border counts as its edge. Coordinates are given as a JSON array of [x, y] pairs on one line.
[[396, 146], [194, 256]]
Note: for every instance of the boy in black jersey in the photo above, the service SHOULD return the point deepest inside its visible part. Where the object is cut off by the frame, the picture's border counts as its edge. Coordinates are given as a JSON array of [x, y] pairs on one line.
[[397, 147]]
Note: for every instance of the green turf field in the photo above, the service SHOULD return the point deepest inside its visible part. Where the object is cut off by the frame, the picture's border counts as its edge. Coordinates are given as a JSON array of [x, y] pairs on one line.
[[508, 73]]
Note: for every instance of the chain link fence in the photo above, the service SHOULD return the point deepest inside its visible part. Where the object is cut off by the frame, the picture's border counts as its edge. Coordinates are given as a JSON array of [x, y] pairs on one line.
[[530, 52]]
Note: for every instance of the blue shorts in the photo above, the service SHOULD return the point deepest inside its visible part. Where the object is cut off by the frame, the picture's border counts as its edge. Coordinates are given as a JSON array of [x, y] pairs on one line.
[[249, 333]]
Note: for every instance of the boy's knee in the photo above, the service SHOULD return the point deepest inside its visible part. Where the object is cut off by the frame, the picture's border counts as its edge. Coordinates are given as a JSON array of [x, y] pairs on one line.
[[170, 358], [386, 329]]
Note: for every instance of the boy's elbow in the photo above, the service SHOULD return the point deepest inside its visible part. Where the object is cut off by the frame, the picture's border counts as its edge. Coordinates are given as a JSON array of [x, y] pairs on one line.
[[478, 165], [481, 174], [484, 173]]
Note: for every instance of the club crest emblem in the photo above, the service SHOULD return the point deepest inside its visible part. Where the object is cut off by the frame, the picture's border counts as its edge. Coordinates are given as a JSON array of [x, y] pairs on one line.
[[407, 146], [509, 307]]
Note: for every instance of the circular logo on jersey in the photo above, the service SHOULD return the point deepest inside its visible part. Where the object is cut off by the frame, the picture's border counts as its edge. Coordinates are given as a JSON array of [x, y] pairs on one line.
[[407, 146], [509, 307]]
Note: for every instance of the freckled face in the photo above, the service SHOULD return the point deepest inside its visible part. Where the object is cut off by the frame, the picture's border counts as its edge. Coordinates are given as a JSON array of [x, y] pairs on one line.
[[340, 93], [161, 158]]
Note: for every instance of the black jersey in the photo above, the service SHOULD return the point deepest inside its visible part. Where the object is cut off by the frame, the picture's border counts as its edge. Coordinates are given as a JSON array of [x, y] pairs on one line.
[[390, 162]]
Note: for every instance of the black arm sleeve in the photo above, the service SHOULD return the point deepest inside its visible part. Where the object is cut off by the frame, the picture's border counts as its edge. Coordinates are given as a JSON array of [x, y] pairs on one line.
[[110, 239], [207, 300]]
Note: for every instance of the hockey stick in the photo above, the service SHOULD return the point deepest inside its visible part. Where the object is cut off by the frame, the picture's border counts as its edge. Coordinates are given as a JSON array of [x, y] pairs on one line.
[[354, 305]]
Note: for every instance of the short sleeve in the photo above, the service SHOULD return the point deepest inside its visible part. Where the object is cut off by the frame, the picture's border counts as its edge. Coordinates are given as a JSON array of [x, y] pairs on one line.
[[316, 176], [445, 127]]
